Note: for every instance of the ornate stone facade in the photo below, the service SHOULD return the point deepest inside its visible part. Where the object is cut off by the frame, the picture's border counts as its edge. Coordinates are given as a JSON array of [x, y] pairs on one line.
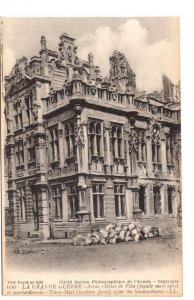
[[83, 150]]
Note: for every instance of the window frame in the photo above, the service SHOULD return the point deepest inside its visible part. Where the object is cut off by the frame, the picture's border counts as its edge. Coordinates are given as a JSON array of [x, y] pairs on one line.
[[57, 202], [95, 138], [117, 141], [73, 201], [70, 140], [99, 212], [31, 149], [54, 143], [19, 151], [22, 203], [120, 194]]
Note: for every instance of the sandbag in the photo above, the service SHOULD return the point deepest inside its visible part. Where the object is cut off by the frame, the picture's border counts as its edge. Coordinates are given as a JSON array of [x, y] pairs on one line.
[[88, 242], [131, 226], [104, 233], [78, 240], [109, 226], [122, 235]]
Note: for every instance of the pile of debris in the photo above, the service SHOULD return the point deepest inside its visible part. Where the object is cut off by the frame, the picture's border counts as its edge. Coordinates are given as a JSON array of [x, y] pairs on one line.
[[114, 233]]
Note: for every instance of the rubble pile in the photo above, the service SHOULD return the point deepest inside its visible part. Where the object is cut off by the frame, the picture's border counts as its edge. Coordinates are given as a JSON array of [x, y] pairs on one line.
[[114, 233]]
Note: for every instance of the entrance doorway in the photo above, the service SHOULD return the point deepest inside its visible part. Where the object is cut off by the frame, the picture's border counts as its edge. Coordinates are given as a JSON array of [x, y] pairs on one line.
[[35, 208], [170, 192], [156, 194], [142, 198]]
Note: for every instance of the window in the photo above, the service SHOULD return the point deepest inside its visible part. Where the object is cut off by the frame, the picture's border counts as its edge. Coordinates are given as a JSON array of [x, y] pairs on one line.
[[98, 200], [155, 145], [29, 107], [19, 152], [73, 201], [141, 154], [119, 193], [169, 149], [95, 138], [57, 202], [70, 139], [31, 149], [116, 139], [22, 203], [18, 114], [54, 144]]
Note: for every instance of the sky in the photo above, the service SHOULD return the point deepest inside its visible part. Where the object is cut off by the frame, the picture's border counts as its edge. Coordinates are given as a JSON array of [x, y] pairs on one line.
[[151, 44]]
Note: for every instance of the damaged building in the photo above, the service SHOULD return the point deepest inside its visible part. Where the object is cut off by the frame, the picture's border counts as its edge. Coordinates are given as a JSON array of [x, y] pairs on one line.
[[83, 150]]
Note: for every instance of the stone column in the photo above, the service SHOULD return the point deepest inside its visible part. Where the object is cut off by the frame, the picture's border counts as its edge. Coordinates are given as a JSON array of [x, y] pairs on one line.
[[85, 148], [174, 201], [151, 197], [107, 157], [147, 201], [129, 203], [149, 156], [165, 199], [43, 211], [91, 206], [61, 147], [163, 157], [109, 201], [162, 200], [12, 196], [126, 149], [29, 204]]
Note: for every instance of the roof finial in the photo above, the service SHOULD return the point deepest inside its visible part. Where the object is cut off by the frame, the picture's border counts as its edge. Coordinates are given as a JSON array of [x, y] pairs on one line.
[[43, 42]]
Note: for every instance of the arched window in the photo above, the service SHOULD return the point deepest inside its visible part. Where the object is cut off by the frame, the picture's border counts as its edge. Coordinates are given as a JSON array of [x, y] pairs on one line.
[[117, 141], [54, 143], [57, 202], [119, 194], [141, 154], [169, 149], [70, 139], [73, 201], [29, 107], [156, 145], [95, 138]]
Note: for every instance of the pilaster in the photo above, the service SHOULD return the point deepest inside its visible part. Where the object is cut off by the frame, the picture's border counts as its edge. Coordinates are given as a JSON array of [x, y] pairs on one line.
[[109, 201], [65, 203], [149, 156], [163, 157]]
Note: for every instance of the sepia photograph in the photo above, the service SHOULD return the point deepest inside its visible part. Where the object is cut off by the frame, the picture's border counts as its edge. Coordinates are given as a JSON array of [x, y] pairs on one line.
[[91, 127]]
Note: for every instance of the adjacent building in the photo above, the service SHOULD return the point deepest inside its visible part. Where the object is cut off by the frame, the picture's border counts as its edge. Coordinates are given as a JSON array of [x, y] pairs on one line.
[[83, 150]]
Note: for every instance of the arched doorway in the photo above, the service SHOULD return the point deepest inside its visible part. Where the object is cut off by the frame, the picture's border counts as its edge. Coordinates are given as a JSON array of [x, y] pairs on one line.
[[170, 194], [156, 196], [142, 198]]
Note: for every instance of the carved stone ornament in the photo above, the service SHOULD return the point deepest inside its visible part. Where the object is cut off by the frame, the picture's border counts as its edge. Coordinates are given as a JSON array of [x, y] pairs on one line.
[[133, 139], [93, 91], [35, 110], [80, 137]]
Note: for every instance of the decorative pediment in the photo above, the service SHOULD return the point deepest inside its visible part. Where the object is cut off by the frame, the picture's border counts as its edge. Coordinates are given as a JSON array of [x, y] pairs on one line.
[[120, 69], [19, 76]]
